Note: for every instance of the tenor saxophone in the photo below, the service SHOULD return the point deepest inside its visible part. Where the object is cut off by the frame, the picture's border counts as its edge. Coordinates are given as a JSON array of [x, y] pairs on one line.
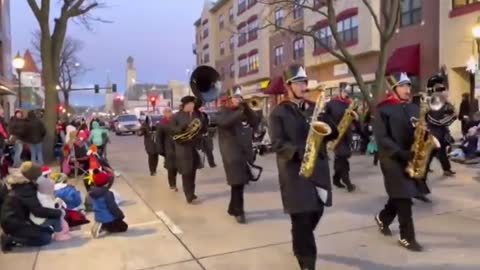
[[344, 124], [422, 147], [317, 132]]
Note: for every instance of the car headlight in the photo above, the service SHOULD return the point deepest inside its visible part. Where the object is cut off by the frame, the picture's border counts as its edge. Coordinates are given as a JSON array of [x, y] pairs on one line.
[[119, 125]]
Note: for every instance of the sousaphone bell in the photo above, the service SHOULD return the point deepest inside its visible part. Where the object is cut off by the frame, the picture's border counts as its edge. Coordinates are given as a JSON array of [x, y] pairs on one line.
[[205, 83]]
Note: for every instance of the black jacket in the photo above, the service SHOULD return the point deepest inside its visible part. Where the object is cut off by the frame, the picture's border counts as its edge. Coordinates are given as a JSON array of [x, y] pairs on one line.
[[235, 134], [439, 122], [186, 154], [149, 139], [166, 145], [288, 131], [18, 128], [36, 130], [19, 203], [464, 110], [394, 133], [335, 109]]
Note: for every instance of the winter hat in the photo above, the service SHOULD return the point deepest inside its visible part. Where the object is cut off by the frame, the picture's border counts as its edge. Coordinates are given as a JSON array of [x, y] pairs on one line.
[[30, 170], [16, 178], [45, 186], [46, 171], [59, 178], [92, 150], [100, 178]]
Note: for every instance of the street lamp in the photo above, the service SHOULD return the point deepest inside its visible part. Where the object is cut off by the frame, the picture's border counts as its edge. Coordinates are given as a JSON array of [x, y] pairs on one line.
[[18, 64]]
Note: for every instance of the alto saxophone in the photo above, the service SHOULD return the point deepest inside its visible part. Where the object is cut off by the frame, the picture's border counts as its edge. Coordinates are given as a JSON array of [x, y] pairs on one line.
[[344, 124], [317, 132], [422, 147]]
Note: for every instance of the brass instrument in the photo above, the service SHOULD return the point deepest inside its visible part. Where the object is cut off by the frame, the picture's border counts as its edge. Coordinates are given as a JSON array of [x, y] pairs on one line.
[[316, 134], [344, 124], [255, 103], [191, 132], [423, 145]]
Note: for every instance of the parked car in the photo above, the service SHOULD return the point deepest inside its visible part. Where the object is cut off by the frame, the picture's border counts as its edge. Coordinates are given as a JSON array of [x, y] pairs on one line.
[[126, 123]]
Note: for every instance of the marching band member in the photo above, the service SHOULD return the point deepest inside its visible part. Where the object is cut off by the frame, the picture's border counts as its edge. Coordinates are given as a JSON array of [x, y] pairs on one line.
[[166, 148], [336, 109], [187, 157], [236, 122], [394, 132], [289, 130], [439, 120], [207, 139]]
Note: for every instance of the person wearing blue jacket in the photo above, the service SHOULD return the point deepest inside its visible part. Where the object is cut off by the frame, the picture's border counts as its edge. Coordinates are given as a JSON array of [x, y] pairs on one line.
[[108, 216]]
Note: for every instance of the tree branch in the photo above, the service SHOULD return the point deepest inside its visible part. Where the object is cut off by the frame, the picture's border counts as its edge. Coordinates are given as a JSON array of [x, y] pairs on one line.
[[35, 9], [373, 14]]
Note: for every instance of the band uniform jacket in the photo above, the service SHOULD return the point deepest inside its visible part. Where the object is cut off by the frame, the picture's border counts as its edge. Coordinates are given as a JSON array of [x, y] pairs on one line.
[[289, 126], [207, 136], [166, 145], [439, 122], [186, 155], [394, 134], [335, 109], [235, 135]]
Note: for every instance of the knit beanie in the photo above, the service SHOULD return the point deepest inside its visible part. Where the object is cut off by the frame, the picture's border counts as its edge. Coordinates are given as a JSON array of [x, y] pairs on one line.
[[30, 170], [100, 178]]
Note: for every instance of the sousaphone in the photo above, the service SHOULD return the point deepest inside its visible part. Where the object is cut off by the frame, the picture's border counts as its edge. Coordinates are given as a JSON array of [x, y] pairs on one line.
[[205, 83]]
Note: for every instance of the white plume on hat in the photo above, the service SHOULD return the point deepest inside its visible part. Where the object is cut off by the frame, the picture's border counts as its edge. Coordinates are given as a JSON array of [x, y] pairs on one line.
[[237, 92]]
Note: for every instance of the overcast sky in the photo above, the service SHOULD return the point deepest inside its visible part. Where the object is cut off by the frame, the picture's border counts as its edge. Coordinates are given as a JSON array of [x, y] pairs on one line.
[[157, 33]]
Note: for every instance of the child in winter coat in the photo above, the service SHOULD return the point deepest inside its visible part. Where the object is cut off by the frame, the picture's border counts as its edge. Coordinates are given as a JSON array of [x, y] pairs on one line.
[[46, 197], [108, 216], [68, 193]]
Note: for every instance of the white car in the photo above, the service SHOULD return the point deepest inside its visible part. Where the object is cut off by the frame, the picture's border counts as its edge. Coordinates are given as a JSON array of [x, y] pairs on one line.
[[126, 123]]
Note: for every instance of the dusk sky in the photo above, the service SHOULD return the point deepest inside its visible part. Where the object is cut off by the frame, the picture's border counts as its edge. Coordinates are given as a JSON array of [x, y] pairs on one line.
[[157, 33]]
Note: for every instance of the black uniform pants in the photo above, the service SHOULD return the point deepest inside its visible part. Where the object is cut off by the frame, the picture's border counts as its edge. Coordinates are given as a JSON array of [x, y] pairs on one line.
[[403, 209], [210, 158], [116, 226], [172, 177], [188, 181], [235, 208], [303, 239], [153, 162], [442, 156], [341, 168]]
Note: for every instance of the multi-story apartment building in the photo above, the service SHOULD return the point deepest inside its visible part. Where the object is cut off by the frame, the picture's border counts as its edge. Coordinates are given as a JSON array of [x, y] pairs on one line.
[[413, 49], [6, 84]]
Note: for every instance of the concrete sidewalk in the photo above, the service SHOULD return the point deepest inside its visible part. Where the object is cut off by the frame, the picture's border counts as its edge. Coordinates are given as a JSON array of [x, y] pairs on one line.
[[168, 234]]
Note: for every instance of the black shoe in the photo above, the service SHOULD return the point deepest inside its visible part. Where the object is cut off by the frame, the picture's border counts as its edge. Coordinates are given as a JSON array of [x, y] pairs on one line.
[[174, 189], [351, 188], [338, 184], [307, 263], [385, 230], [191, 199], [7, 243], [241, 219], [423, 198], [213, 165], [449, 173], [410, 245], [153, 173]]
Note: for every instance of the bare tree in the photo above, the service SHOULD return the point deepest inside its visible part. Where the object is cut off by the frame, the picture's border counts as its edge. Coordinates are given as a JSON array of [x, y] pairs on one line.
[[71, 67], [51, 44], [385, 23]]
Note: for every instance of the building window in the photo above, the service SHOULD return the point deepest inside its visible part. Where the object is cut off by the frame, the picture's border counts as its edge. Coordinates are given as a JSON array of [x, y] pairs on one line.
[[297, 10], [252, 30], [348, 29], [324, 38], [411, 12], [278, 55], [232, 71], [205, 30], [298, 49], [253, 63], [222, 48], [242, 6], [461, 3], [230, 14], [221, 22], [279, 17], [206, 57], [243, 67], [242, 36], [232, 42]]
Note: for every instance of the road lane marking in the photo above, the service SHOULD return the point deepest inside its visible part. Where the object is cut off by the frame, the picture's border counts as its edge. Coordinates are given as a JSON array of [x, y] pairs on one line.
[[174, 228]]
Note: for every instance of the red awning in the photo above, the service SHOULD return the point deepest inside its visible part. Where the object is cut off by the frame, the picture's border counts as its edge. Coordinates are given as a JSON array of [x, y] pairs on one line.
[[405, 59], [276, 86]]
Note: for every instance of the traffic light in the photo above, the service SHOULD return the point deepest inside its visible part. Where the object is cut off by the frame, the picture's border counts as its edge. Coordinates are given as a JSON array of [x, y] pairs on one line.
[[153, 101], [97, 88], [114, 88], [60, 108]]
